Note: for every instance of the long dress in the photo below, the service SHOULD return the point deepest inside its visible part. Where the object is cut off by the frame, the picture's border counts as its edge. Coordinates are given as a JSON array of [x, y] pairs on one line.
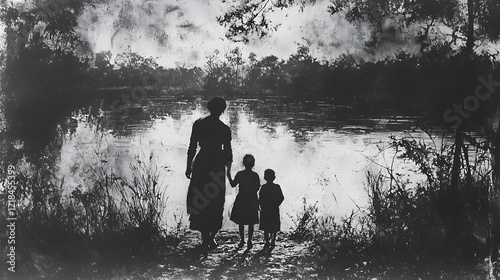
[[246, 205], [207, 189], [270, 198]]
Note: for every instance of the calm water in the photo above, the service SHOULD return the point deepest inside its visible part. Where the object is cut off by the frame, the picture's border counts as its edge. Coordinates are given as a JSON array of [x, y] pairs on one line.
[[320, 152]]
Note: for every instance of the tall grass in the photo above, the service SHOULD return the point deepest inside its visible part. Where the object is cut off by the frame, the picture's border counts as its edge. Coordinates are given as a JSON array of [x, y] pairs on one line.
[[101, 223], [411, 229], [143, 201], [305, 223]]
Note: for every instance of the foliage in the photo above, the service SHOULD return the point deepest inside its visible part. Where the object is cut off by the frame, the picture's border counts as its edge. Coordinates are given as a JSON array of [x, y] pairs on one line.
[[431, 224], [305, 222], [429, 83], [224, 73], [107, 220], [389, 20], [250, 18], [44, 58], [41, 24], [144, 200], [266, 74], [345, 244], [410, 229]]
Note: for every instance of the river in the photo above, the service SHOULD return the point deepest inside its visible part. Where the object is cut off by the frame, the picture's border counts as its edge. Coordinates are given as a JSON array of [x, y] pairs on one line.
[[320, 152]]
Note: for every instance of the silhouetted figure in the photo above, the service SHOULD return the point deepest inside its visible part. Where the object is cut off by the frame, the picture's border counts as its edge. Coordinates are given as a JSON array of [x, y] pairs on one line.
[[270, 198], [246, 205], [206, 193]]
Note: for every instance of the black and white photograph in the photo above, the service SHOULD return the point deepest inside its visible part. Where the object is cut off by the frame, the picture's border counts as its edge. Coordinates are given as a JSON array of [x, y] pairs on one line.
[[250, 139]]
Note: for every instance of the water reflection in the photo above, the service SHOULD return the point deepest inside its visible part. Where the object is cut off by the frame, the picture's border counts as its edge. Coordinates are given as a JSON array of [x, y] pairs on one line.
[[319, 152]]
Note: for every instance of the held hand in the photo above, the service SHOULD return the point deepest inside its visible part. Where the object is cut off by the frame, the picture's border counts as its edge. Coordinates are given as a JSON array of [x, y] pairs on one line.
[[188, 172]]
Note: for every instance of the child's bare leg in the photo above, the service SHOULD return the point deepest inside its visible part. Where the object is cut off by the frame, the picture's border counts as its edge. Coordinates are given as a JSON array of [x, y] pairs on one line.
[[205, 237], [242, 235], [273, 240], [250, 235], [266, 238], [212, 239], [250, 232]]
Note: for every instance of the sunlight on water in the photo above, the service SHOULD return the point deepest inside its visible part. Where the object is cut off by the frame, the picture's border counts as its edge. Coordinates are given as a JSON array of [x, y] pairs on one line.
[[324, 167]]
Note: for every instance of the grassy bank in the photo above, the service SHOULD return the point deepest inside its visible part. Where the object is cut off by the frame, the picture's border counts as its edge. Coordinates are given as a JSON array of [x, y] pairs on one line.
[[65, 230], [427, 230]]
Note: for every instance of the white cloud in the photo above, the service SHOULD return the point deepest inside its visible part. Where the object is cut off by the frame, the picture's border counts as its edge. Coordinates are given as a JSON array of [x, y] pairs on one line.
[[185, 36]]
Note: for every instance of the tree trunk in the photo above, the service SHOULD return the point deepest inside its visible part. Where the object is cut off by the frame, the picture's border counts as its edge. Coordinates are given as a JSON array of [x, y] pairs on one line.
[[453, 196], [495, 192], [495, 151], [455, 171], [469, 45], [455, 205]]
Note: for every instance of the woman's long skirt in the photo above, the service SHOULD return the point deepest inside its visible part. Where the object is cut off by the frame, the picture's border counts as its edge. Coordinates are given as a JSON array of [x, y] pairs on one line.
[[206, 194]]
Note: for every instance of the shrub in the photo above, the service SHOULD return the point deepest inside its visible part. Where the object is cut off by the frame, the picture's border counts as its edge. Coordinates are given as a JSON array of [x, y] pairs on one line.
[[410, 229], [107, 221]]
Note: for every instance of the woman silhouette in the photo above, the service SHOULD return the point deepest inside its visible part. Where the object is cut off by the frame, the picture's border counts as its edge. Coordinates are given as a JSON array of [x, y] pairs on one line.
[[206, 193]]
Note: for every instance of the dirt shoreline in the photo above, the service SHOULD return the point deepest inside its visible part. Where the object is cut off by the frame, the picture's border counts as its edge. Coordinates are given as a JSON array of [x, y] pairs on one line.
[[289, 260]]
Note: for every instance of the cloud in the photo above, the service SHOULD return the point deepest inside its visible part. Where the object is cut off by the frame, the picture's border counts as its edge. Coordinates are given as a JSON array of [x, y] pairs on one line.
[[174, 32], [184, 33]]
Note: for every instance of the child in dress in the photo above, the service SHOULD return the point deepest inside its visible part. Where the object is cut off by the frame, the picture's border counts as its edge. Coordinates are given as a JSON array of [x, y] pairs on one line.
[[270, 198], [246, 205]]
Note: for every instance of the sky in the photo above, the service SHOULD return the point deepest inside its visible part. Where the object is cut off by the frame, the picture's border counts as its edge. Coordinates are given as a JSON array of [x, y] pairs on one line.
[[184, 33]]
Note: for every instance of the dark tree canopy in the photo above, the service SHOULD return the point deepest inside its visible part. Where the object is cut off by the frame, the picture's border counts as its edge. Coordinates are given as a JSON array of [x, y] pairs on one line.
[[466, 24], [49, 24], [251, 17]]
